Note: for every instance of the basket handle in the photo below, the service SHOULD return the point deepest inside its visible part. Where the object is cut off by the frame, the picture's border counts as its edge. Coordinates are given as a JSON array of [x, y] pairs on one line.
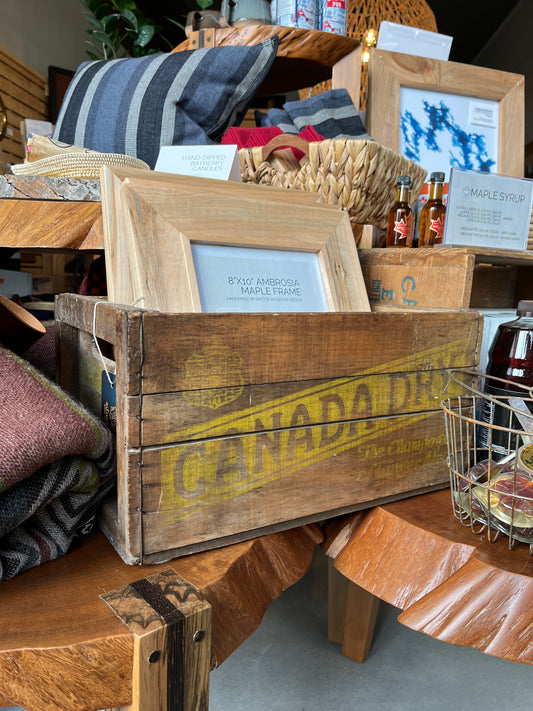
[[285, 140]]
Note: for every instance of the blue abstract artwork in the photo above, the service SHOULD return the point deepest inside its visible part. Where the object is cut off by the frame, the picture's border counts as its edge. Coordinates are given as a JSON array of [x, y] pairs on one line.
[[443, 131]]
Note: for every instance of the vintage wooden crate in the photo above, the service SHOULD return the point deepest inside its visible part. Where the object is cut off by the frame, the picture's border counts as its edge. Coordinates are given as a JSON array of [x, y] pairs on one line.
[[232, 425], [443, 277]]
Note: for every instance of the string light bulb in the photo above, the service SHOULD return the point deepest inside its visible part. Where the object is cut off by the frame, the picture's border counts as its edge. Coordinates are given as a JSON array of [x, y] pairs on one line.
[[370, 39]]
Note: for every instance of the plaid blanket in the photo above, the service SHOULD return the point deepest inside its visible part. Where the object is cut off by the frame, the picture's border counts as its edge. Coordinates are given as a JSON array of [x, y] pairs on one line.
[[56, 464]]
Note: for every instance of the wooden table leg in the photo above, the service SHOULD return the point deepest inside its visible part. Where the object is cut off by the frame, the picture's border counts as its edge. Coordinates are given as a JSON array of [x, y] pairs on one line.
[[352, 613], [171, 624]]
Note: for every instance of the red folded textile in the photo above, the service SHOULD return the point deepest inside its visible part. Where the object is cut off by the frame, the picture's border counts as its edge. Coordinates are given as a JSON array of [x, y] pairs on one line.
[[261, 135]]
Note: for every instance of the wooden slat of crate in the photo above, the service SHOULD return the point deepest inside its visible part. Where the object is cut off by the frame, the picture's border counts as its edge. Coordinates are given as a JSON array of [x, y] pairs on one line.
[[277, 419], [453, 278], [25, 95]]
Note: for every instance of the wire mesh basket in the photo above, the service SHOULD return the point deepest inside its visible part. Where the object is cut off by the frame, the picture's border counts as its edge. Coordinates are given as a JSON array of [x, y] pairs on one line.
[[490, 456]]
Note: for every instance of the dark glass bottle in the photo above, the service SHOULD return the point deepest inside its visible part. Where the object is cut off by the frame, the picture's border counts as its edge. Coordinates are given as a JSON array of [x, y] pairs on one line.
[[433, 214], [510, 358], [401, 219]]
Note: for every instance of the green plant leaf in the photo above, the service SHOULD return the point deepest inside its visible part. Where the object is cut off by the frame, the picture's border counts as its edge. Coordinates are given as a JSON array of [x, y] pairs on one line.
[[146, 33], [101, 37], [204, 4], [175, 22], [125, 5], [131, 17]]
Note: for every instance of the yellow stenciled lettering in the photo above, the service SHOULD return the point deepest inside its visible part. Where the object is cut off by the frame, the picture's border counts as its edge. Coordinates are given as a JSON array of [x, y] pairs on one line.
[[299, 436], [231, 461], [361, 408], [267, 444], [189, 471], [332, 409], [400, 387]]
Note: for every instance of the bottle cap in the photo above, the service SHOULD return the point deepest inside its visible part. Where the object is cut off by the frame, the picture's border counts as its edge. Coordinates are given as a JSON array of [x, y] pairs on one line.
[[436, 178], [404, 180], [524, 308]]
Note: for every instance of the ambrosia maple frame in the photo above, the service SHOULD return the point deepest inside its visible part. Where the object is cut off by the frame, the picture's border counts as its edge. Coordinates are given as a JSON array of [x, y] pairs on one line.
[[151, 219], [390, 71]]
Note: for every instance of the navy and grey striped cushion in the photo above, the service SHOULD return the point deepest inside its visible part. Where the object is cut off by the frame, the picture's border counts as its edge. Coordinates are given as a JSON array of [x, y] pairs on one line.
[[331, 113], [134, 106]]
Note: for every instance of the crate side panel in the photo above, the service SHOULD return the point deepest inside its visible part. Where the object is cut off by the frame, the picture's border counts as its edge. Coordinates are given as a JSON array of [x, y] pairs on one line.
[[212, 489], [195, 415], [193, 351]]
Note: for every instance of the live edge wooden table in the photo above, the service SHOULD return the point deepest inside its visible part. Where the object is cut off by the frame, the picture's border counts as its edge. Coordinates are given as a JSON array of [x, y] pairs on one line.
[[451, 584], [88, 632]]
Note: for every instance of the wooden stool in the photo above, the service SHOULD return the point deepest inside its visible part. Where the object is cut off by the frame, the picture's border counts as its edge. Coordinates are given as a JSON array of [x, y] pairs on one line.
[[451, 584], [88, 632]]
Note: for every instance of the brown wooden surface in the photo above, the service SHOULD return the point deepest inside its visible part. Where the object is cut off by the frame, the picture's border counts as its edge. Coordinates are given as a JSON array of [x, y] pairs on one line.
[[149, 225], [256, 422], [304, 57], [452, 278], [38, 224], [450, 583], [171, 624], [25, 95], [62, 648]]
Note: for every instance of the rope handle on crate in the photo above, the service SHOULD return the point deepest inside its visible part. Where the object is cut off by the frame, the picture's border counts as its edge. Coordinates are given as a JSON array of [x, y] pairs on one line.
[[285, 140]]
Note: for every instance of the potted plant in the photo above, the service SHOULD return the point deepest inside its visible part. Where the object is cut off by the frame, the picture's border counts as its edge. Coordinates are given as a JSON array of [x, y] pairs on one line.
[[119, 28]]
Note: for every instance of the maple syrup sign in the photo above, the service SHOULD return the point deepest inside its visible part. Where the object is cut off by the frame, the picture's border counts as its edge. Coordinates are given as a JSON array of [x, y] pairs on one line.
[[486, 210], [229, 455]]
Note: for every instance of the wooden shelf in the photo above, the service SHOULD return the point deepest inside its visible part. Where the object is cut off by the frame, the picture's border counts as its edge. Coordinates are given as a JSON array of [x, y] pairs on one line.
[[304, 57]]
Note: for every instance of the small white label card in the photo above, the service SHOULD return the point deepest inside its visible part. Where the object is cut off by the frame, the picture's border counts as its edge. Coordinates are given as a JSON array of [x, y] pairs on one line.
[[248, 279], [488, 210], [218, 162]]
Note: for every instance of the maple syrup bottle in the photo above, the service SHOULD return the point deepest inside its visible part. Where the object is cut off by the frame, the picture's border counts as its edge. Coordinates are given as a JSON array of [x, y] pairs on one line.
[[401, 219], [433, 214]]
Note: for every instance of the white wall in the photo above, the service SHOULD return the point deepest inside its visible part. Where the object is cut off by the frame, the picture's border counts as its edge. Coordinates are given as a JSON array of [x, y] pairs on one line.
[[510, 50], [44, 32]]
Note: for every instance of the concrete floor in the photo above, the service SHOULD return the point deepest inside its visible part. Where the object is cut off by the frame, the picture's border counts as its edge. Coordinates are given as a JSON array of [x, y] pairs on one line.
[[289, 665]]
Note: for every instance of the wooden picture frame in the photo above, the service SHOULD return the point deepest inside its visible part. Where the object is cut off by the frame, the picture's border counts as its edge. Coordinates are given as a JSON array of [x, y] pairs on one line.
[[151, 219], [389, 72]]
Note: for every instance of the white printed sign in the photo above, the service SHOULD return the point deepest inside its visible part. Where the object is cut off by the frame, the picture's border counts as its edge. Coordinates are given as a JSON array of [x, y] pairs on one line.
[[218, 162], [487, 210], [248, 279]]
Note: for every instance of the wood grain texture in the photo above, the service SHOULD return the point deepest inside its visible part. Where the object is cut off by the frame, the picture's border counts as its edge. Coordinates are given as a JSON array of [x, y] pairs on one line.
[[452, 278], [63, 649], [389, 71], [54, 224], [450, 583], [25, 95], [172, 642], [244, 423], [150, 225]]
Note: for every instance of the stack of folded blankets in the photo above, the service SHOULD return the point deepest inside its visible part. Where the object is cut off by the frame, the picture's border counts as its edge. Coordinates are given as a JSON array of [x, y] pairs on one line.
[[56, 463]]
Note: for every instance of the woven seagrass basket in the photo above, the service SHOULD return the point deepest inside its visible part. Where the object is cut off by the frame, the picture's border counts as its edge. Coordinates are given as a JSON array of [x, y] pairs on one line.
[[76, 165], [48, 157], [357, 174]]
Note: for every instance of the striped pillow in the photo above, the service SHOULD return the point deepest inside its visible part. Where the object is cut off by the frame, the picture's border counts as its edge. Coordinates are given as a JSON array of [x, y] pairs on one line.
[[134, 106]]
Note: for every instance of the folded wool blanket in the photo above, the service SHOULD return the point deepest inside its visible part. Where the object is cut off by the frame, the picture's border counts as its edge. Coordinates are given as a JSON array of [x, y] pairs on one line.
[[56, 464], [332, 114]]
